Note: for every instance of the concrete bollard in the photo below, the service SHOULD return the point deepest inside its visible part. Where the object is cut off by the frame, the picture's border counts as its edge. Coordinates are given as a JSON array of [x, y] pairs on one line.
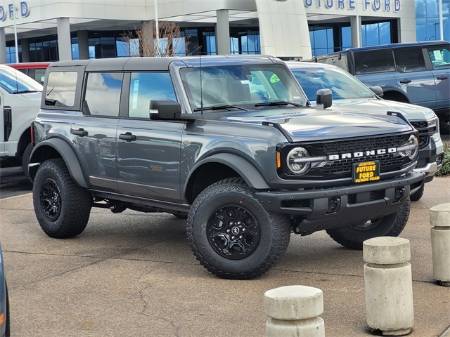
[[294, 311], [440, 243], [388, 286]]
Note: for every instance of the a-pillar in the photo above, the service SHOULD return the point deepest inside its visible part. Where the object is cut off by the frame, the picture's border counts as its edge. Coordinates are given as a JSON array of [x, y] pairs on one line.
[[355, 22], [83, 44], [223, 32], [64, 39], [2, 46]]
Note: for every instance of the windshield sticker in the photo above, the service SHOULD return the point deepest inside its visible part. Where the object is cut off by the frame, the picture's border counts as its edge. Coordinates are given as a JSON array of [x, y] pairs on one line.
[[274, 79]]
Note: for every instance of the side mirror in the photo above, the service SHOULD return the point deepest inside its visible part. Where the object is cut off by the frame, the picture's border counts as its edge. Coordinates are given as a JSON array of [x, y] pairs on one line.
[[324, 97], [377, 90], [165, 110]]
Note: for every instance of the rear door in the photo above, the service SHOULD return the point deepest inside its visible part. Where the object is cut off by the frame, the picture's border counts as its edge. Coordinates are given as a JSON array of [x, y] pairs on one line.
[[439, 57], [149, 151], [414, 77], [376, 67], [95, 130]]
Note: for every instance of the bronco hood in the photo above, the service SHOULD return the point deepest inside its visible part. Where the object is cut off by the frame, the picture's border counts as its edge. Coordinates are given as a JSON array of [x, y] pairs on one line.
[[380, 106], [316, 124]]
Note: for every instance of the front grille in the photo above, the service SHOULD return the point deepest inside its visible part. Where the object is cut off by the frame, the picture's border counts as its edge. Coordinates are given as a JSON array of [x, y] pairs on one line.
[[343, 168], [424, 132]]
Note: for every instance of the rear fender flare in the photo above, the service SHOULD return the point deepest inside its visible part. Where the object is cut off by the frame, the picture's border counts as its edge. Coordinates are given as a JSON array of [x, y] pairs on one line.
[[65, 151]]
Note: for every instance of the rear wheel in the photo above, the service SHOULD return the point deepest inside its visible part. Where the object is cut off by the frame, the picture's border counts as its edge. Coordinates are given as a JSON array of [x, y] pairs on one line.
[[231, 233], [352, 237], [61, 206]]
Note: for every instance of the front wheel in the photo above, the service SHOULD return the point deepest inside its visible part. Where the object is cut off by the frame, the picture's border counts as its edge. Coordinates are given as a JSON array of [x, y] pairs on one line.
[[61, 206], [231, 233], [353, 236]]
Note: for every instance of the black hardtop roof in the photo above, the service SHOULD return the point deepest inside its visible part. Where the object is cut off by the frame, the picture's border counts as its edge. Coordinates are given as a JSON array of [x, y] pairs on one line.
[[160, 63], [400, 45]]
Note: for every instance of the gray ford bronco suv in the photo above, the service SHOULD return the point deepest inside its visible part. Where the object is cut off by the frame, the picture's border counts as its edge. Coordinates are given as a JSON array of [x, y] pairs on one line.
[[231, 143]]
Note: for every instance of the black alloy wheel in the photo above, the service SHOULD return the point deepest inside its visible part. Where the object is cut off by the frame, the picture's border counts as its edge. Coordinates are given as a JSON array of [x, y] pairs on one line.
[[233, 232], [50, 199]]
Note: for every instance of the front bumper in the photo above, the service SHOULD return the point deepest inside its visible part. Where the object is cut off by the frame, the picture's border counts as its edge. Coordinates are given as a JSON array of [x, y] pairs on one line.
[[340, 206]]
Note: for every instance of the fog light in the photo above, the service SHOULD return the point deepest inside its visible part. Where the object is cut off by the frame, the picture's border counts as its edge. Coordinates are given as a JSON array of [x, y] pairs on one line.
[[399, 193], [334, 204]]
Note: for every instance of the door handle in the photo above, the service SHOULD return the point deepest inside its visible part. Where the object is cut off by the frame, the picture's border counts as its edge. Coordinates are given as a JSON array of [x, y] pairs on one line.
[[128, 136], [442, 77], [405, 81], [79, 132]]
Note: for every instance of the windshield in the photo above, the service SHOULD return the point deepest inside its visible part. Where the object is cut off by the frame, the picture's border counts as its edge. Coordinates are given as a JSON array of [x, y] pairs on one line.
[[237, 86], [15, 82], [341, 84]]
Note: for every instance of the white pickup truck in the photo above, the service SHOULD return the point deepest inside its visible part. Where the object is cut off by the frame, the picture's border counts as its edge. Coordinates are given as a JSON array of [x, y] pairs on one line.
[[20, 98]]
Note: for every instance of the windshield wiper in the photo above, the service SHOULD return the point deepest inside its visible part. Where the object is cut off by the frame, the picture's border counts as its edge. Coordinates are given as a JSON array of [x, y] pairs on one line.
[[278, 103], [220, 107]]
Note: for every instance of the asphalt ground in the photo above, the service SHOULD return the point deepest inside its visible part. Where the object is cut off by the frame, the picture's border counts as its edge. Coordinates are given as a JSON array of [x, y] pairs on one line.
[[133, 274]]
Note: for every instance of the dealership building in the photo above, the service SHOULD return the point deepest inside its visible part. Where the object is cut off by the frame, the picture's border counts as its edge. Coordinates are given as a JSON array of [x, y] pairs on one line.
[[50, 30]]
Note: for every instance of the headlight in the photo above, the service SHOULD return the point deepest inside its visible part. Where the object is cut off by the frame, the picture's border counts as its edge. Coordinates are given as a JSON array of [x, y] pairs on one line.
[[410, 148], [296, 160], [433, 124]]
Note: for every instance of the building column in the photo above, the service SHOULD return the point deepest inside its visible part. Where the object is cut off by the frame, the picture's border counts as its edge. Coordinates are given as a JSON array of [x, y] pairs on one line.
[[355, 22], [2, 46], [223, 32], [83, 44], [148, 38], [25, 44], [64, 40], [283, 28]]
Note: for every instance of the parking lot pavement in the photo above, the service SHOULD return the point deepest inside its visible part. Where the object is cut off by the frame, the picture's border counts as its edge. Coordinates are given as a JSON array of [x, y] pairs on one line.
[[133, 274]]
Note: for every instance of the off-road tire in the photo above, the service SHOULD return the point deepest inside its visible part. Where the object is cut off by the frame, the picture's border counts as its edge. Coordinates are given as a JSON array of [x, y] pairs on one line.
[[274, 230], [418, 194], [76, 202], [26, 160], [390, 225]]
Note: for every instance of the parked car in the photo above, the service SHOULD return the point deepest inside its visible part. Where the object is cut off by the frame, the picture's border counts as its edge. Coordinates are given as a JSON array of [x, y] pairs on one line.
[[4, 302], [36, 70], [20, 97], [349, 92], [417, 73], [228, 142]]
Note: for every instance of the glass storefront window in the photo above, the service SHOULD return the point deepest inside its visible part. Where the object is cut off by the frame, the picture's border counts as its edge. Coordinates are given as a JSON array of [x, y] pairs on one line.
[[427, 20], [322, 41], [374, 34]]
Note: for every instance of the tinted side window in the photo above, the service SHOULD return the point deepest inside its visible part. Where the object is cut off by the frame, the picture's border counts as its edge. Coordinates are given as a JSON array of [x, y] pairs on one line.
[[61, 88], [440, 57], [146, 87], [102, 96], [374, 61], [409, 59]]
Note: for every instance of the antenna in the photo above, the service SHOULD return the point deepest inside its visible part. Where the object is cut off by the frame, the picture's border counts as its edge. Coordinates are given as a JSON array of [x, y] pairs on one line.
[[201, 85]]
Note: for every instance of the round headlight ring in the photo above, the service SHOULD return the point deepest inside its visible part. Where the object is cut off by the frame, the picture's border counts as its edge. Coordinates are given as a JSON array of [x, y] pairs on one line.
[[413, 140], [296, 167]]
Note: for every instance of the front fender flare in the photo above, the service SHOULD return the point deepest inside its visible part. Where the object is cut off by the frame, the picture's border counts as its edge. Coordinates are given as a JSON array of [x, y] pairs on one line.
[[243, 167], [65, 151]]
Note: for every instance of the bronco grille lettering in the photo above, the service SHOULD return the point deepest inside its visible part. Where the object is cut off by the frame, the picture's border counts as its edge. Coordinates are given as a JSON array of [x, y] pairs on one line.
[[360, 154]]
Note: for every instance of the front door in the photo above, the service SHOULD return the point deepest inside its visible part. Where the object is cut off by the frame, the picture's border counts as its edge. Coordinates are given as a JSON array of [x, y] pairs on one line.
[[149, 151], [440, 60], [94, 132], [414, 77]]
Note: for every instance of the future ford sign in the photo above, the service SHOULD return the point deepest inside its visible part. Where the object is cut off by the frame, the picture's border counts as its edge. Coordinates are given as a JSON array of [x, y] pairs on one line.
[[367, 5], [8, 11]]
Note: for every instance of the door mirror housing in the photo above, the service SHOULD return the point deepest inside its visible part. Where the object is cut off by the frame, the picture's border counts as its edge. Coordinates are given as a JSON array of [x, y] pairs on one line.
[[324, 97], [165, 110], [377, 90]]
